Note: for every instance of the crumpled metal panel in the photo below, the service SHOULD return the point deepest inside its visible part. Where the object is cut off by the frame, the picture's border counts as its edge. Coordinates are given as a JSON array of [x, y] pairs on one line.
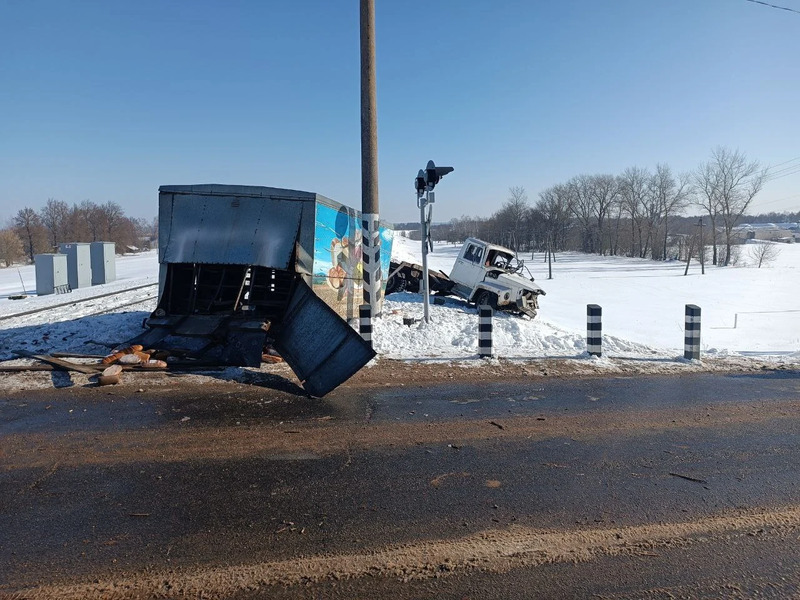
[[321, 348], [229, 229]]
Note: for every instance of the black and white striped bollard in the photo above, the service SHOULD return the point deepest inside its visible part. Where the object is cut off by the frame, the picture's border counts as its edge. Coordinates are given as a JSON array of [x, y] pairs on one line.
[[594, 330], [691, 340], [485, 331], [365, 323], [371, 260]]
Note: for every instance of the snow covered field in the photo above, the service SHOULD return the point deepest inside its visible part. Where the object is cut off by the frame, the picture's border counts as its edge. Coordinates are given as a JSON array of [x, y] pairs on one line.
[[747, 312], [643, 305], [86, 327]]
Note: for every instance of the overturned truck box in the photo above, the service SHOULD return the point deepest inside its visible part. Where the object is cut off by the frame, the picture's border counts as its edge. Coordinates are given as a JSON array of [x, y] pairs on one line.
[[245, 267]]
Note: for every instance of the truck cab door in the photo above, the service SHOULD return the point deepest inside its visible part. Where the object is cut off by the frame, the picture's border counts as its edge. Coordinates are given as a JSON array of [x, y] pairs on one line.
[[468, 269]]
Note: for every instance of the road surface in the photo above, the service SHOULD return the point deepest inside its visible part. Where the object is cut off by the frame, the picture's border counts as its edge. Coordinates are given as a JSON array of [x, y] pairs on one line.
[[622, 487]]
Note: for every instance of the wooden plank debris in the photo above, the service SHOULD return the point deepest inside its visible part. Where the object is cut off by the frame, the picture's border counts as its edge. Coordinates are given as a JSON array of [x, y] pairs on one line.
[[68, 365]]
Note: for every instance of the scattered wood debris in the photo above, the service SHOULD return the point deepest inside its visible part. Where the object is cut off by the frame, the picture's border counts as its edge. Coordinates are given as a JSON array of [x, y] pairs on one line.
[[67, 365]]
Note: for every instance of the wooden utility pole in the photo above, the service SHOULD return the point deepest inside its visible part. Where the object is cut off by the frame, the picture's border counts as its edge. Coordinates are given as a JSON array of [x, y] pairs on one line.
[[371, 250]]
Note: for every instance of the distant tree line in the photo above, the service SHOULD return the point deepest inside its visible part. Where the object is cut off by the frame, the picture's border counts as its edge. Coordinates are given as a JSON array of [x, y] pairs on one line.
[[638, 213], [773, 217], [32, 232]]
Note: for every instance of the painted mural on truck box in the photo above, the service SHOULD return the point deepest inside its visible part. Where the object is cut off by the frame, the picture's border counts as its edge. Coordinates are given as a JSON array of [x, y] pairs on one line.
[[338, 275]]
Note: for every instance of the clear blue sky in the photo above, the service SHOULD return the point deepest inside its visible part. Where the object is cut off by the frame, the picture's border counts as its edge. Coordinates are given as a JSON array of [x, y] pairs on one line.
[[107, 100]]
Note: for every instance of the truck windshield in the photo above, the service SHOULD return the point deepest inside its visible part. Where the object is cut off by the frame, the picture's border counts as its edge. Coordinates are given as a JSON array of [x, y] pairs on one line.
[[498, 259]]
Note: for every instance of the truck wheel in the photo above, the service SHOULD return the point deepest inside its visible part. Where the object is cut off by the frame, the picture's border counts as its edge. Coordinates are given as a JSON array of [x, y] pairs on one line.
[[396, 283], [486, 297], [391, 285]]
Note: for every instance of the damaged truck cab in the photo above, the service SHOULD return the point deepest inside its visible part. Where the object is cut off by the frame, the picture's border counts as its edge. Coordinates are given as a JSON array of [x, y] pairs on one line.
[[483, 273], [244, 267], [490, 274]]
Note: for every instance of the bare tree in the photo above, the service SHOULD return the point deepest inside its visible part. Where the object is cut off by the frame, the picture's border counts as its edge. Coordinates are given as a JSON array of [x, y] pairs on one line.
[[615, 218], [604, 190], [635, 191], [91, 221], [583, 207], [516, 209], [54, 216], [147, 231], [672, 196], [11, 249], [764, 253], [666, 196], [30, 230], [554, 206], [75, 226], [738, 182], [707, 198], [725, 187], [112, 218]]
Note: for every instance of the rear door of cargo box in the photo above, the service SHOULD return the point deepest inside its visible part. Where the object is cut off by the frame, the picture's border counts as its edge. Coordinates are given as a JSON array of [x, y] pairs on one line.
[[319, 346]]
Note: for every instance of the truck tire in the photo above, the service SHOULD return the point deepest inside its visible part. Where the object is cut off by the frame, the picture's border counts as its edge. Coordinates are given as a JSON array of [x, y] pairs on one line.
[[486, 297], [395, 283]]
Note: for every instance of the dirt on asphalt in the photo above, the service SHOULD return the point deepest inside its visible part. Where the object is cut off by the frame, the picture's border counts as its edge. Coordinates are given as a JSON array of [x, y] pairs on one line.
[[243, 415], [383, 372]]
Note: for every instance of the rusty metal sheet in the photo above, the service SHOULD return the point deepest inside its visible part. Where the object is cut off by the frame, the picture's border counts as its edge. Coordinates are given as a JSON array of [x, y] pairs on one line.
[[321, 348], [228, 229]]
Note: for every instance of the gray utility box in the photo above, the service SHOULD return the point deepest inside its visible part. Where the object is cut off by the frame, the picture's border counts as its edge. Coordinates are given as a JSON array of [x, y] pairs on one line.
[[79, 264], [104, 269], [51, 273]]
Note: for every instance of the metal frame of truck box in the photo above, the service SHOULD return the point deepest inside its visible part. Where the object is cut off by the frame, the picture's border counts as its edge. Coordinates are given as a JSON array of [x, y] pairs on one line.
[[245, 265]]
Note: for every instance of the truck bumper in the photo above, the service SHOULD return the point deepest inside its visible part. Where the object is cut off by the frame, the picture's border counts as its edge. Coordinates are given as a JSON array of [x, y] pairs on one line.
[[527, 305]]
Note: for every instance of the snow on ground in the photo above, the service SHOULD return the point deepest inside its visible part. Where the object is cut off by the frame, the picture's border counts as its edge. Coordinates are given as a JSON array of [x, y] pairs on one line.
[[86, 327], [132, 269], [747, 312], [643, 305]]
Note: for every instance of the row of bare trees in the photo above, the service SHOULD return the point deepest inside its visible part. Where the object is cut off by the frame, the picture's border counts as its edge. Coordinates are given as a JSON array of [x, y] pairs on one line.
[[635, 213], [32, 232]]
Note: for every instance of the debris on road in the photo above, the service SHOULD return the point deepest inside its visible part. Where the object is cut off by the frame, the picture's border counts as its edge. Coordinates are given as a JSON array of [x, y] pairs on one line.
[[437, 481], [67, 365], [118, 354], [110, 375], [687, 478]]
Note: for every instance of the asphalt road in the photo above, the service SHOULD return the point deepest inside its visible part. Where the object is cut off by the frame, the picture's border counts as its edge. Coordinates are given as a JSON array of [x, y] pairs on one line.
[[636, 487]]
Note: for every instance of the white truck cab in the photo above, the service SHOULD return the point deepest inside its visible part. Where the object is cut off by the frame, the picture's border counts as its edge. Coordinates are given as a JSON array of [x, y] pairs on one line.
[[490, 274]]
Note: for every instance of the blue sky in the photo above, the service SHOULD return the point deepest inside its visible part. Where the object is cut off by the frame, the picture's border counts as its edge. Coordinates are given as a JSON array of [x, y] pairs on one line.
[[107, 100]]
